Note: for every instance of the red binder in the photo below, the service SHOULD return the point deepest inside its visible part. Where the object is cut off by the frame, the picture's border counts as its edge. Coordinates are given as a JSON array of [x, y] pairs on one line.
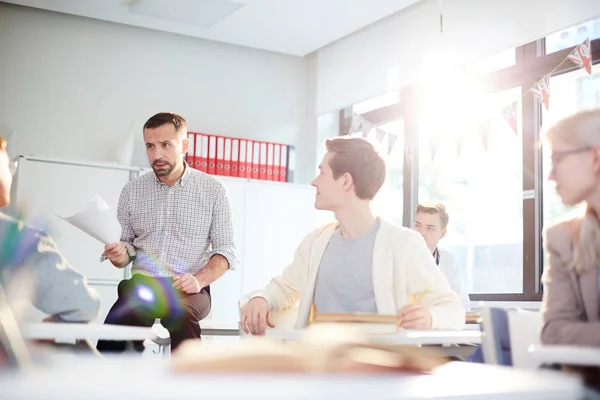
[[276, 161], [235, 157], [203, 151], [262, 161], [249, 158], [255, 160], [212, 155], [220, 153], [227, 157], [269, 161], [191, 154], [198, 151], [283, 165], [242, 158]]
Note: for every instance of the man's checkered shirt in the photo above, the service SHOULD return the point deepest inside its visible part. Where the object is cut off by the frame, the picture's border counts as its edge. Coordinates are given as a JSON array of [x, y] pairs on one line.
[[170, 231]]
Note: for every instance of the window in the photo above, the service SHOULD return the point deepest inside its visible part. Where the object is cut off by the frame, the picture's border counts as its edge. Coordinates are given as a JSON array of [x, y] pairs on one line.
[[481, 189], [571, 92], [572, 36], [389, 203]]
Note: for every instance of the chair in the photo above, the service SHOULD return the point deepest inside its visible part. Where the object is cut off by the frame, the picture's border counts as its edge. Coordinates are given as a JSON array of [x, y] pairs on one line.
[[161, 339], [525, 329], [495, 340]]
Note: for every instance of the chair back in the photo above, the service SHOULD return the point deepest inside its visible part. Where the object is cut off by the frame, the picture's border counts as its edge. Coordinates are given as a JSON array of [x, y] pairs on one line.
[[495, 340], [525, 329]]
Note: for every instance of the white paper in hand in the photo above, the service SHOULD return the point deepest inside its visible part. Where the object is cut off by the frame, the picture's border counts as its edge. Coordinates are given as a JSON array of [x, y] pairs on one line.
[[97, 220]]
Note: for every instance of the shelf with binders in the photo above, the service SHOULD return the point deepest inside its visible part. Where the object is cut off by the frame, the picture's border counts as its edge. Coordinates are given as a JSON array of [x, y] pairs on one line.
[[241, 157]]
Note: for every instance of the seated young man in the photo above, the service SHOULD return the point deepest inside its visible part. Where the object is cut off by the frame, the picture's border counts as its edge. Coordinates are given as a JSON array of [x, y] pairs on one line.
[[431, 222], [360, 263], [32, 266]]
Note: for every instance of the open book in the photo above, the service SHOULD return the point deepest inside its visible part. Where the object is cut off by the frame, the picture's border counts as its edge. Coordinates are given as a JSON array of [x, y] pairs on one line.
[[363, 323], [323, 348]]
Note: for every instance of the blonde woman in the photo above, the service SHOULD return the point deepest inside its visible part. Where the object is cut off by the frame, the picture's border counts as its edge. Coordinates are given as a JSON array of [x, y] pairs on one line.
[[571, 301]]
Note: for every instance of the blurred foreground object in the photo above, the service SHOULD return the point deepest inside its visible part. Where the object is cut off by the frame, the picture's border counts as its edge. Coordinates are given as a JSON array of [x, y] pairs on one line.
[[323, 348]]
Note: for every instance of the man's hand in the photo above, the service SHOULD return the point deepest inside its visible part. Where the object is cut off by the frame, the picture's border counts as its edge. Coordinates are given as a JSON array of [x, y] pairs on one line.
[[256, 315], [415, 316], [117, 254], [187, 283]]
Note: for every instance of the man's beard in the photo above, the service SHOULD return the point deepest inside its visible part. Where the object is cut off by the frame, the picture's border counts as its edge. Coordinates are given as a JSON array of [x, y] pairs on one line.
[[164, 171]]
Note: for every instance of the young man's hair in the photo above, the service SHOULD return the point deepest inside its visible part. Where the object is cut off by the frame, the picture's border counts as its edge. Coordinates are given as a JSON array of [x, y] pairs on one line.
[[435, 209], [360, 159], [163, 118]]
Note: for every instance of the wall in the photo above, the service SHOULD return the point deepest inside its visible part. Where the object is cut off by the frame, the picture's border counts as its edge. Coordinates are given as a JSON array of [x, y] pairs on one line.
[[73, 87], [397, 51]]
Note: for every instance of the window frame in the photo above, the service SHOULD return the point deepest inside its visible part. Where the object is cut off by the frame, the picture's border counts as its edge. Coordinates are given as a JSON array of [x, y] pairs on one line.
[[531, 65]]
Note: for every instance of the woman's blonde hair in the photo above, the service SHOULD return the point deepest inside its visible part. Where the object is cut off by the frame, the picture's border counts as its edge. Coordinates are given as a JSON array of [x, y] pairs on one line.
[[582, 130]]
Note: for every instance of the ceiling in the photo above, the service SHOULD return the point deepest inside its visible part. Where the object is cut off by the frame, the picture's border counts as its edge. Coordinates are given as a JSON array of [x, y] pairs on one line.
[[296, 27]]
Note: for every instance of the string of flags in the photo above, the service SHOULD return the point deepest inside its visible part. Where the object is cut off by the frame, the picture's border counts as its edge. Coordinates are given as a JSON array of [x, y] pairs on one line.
[[581, 56], [360, 124]]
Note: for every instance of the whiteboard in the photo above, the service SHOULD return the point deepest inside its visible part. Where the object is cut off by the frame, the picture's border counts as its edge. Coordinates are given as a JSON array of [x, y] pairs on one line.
[[277, 217], [45, 188]]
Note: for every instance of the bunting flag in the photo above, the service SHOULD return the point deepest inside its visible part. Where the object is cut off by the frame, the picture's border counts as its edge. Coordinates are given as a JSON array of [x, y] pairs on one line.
[[391, 142], [366, 128], [434, 143], [380, 135], [509, 113], [542, 91], [459, 139], [483, 131], [582, 56]]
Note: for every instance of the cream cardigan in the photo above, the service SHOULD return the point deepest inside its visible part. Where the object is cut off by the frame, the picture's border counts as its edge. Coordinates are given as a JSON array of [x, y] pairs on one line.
[[402, 266]]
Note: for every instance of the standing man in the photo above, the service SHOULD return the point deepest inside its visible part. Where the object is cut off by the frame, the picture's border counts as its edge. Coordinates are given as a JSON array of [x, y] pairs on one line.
[[177, 230], [360, 263], [431, 222]]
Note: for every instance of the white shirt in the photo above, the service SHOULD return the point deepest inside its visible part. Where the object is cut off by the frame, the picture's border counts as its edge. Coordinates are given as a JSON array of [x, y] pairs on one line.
[[448, 264]]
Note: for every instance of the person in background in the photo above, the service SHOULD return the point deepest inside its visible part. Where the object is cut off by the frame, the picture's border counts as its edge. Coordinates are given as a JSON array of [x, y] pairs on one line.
[[360, 263], [571, 302], [177, 231], [431, 221], [32, 267]]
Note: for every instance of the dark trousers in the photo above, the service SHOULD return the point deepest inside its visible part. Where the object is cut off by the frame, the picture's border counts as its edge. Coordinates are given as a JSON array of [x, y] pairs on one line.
[[142, 299]]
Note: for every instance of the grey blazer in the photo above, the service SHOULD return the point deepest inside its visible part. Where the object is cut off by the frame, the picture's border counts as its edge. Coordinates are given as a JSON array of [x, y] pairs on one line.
[[570, 304], [55, 288]]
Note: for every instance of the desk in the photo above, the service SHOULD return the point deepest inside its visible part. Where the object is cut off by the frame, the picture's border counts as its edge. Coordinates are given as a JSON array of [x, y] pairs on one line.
[[441, 338], [69, 333], [219, 328], [128, 378]]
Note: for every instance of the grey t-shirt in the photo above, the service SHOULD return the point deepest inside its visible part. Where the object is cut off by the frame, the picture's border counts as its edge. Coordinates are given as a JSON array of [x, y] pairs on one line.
[[345, 278]]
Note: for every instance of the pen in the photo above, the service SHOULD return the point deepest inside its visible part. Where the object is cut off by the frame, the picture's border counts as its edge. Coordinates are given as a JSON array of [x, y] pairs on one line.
[[420, 296]]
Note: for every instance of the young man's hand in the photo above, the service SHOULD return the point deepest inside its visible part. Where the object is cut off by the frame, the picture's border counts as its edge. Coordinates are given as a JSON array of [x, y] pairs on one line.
[[415, 316], [256, 316]]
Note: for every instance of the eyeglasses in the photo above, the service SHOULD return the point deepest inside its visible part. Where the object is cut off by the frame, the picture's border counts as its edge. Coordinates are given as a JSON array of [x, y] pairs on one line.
[[558, 156], [13, 165]]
